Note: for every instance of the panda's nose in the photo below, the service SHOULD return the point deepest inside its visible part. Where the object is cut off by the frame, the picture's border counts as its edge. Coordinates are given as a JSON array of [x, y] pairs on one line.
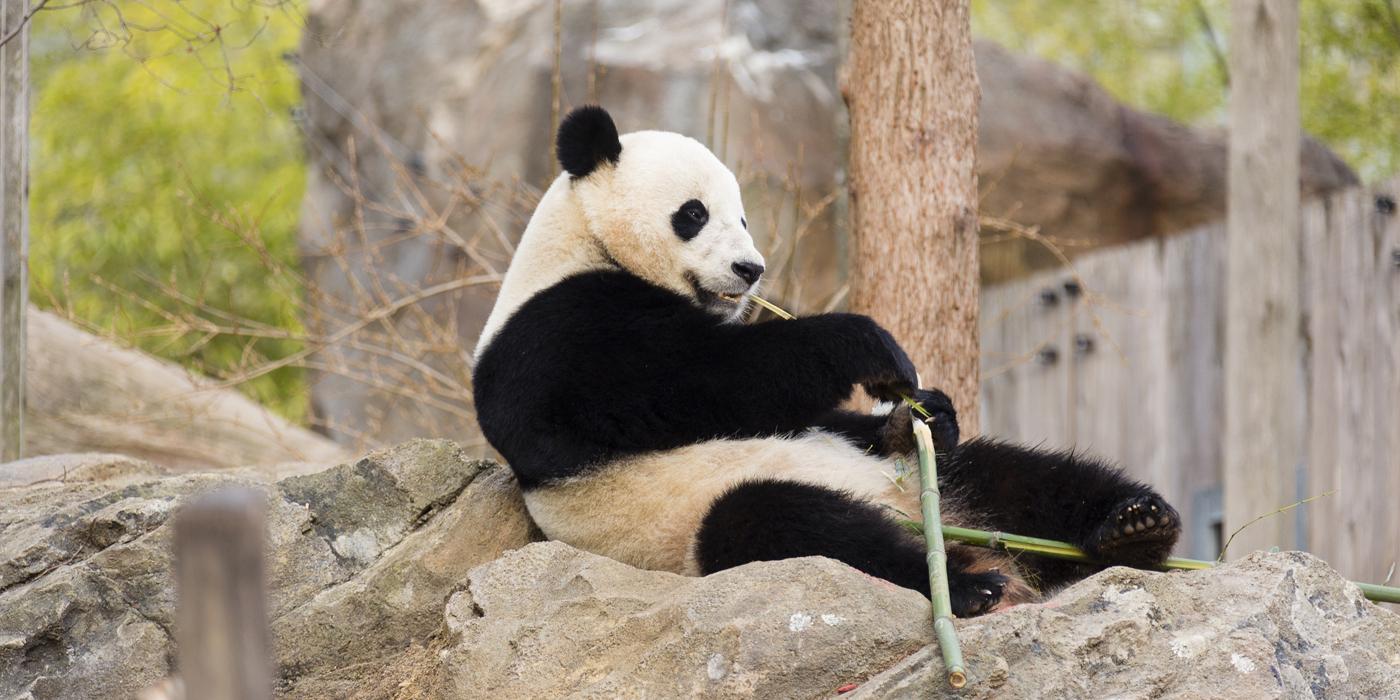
[[747, 271]]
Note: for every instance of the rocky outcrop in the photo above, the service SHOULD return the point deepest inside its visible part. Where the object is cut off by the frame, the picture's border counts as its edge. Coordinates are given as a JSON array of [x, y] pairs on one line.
[[87, 394], [361, 559], [411, 574], [549, 621], [1281, 625], [430, 123]]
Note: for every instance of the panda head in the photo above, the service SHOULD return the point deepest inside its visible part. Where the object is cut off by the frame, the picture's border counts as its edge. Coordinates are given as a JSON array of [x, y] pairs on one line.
[[662, 207]]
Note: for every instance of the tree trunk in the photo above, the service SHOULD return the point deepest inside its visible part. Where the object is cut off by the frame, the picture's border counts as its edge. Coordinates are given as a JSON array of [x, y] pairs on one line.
[[14, 220], [911, 89], [1263, 349]]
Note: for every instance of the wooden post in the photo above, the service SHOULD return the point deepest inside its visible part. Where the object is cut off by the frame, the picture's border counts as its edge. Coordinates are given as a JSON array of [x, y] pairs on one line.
[[223, 642], [1263, 348], [14, 220], [911, 89]]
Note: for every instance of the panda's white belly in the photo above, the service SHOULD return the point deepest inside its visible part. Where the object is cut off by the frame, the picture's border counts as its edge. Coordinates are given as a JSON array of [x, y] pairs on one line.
[[646, 510]]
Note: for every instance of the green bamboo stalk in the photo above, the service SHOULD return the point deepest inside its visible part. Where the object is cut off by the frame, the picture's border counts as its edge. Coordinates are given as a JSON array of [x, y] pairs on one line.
[[1063, 550], [937, 560]]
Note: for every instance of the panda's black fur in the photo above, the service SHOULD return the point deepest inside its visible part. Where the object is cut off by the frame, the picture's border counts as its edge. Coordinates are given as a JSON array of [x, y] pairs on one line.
[[603, 366]]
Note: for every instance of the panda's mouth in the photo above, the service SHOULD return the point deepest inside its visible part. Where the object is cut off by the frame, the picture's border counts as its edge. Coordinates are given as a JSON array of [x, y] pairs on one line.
[[713, 299]]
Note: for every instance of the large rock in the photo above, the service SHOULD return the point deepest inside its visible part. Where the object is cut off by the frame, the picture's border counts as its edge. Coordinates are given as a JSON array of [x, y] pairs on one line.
[[1057, 152], [87, 394], [407, 575], [361, 559], [549, 621], [430, 124], [1269, 626]]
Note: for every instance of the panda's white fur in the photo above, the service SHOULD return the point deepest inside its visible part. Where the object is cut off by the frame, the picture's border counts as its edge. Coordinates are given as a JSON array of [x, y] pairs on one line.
[[646, 510]]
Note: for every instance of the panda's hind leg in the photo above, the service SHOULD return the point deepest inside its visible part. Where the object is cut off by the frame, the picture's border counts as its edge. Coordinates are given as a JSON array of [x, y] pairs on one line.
[[1064, 496], [769, 519]]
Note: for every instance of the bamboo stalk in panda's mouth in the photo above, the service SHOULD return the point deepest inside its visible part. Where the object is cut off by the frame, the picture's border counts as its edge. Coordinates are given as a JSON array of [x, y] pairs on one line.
[[774, 308]]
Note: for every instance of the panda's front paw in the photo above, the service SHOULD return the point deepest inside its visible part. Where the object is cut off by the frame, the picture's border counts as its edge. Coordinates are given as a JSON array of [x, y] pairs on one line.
[[936, 410], [897, 438]]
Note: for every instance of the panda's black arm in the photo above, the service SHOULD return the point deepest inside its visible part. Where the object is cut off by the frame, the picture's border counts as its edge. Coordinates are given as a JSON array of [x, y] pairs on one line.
[[603, 365], [783, 376]]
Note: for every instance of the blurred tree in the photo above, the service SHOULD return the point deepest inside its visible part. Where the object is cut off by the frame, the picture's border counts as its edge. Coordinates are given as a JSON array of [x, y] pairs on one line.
[[164, 156], [911, 88], [1168, 56]]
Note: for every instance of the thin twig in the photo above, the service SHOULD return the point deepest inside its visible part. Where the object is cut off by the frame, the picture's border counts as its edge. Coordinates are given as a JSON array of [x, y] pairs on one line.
[[23, 21], [1270, 514]]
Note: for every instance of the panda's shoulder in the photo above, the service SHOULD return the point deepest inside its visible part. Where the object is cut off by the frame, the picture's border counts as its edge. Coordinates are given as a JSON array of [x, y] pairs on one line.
[[605, 294]]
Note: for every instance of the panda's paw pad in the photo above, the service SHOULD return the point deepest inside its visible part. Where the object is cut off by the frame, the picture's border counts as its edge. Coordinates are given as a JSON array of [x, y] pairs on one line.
[[1140, 530], [974, 594]]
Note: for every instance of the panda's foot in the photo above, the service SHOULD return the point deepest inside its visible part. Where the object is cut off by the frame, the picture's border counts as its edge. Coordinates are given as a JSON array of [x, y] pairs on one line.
[[974, 594], [1139, 531]]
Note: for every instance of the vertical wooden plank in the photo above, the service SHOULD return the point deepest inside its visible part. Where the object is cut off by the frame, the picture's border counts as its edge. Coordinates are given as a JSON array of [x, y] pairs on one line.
[[1384, 523], [1322, 233], [1263, 401], [1025, 333], [224, 646], [1354, 409], [1193, 274], [1119, 363], [14, 219]]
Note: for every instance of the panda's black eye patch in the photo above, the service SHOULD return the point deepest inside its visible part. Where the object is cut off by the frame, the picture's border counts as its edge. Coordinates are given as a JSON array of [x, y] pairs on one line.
[[689, 219]]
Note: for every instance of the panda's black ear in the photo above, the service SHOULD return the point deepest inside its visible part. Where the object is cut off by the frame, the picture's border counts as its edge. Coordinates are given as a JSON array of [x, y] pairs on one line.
[[587, 137]]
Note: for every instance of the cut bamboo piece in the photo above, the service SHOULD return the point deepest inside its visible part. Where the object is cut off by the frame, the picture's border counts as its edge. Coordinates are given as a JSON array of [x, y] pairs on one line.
[[937, 560]]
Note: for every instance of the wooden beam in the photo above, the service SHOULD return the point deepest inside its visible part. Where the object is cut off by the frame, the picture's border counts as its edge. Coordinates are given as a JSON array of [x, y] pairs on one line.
[[14, 220], [1264, 401], [223, 642]]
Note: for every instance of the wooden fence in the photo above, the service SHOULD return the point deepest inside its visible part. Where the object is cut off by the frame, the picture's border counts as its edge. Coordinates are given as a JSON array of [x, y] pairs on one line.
[[1122, 356]]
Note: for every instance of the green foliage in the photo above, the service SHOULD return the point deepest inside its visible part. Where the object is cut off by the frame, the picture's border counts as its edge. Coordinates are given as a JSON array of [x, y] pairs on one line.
[[164, 155], [1169, 57]]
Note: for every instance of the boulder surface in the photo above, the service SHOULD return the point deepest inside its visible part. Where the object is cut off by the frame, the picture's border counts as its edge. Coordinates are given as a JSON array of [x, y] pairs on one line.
[[1281, 625], [361, 559], [549, 621], [411, 573]]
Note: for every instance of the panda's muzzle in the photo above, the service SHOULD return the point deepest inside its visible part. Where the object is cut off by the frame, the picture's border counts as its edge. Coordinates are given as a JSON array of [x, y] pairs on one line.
[[709, 297]]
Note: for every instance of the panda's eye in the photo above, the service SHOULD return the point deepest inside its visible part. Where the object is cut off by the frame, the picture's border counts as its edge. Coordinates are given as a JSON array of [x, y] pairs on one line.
[[689, 219]]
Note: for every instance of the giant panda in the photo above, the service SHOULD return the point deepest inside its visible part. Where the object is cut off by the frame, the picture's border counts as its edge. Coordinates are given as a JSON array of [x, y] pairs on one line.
[[647, 423]]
